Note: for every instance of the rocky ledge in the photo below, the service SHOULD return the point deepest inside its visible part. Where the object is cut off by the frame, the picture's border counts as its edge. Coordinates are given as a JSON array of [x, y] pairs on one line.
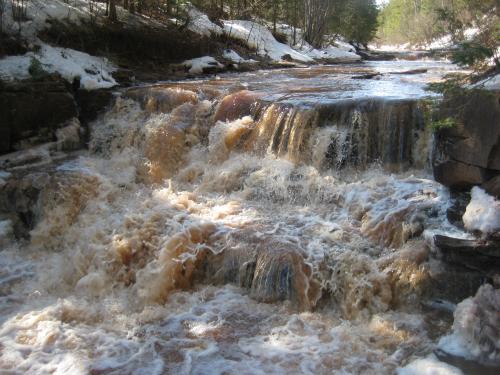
[[468, 154], [33, 110]]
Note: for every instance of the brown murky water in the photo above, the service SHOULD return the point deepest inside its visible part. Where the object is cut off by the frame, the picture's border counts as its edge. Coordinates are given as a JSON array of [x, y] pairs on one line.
[[271, 222]]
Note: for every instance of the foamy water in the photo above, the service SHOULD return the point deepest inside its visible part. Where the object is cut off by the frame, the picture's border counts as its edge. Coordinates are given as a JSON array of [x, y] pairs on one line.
[[183, 245]]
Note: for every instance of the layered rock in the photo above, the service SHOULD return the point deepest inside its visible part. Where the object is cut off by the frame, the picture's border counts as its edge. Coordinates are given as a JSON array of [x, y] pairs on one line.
[[468, 153], [33, 110]]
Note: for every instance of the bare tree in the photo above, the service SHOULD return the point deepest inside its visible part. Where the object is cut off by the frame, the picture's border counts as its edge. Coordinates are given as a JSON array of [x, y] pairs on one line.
[[112, 11], [316, 13], [2, 11]]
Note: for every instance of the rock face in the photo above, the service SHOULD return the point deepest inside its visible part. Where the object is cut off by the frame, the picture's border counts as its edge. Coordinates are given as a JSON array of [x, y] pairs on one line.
[[468, 153], [33, 109], [471, 254]]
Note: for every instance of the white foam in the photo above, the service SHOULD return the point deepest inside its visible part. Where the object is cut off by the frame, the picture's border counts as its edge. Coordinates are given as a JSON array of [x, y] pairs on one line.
[[429, 366]]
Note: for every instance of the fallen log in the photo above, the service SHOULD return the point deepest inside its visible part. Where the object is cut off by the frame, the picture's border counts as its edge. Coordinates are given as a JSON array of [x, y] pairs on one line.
[[413, 71], [367, 76]]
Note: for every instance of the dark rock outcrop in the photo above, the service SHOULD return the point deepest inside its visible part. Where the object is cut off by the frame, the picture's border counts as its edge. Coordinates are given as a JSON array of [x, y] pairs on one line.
[[478, 255], [92, 103], [468, 153], [33, 109], [492, 186]]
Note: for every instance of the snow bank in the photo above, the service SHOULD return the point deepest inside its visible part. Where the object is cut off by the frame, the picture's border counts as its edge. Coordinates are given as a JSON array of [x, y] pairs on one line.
[[94, 72], [40, 11], [483, 212], [446, 41], [391, 47], [337, 50], [330, 54], [344, 46], [259, 37], [201, 24], [196, 66], [440, 43], [232, 56], [428, 366]]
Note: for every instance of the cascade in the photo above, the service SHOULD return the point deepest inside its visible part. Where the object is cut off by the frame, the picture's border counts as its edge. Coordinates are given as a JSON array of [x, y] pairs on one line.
[[212, 225]]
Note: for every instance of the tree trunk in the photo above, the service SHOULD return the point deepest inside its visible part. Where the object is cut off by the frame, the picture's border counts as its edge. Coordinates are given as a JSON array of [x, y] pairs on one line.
[[316, 13], [112, 11]]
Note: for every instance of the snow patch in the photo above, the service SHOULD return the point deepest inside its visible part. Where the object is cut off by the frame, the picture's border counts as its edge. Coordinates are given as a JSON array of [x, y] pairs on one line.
[[232, 56], [93, 72], [201, 24], [196, 66], [337, 51], [259, 37], [330, 53], [483, 212], [40, 11]]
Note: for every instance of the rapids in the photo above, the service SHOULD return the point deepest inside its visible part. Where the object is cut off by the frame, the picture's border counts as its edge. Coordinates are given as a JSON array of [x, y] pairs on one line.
[[267, 222]]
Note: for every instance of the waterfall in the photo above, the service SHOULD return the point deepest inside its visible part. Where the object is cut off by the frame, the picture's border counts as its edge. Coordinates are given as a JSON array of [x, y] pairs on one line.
[[211, 227]]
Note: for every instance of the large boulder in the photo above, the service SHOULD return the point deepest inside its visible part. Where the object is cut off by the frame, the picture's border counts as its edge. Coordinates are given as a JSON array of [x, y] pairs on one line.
[[468, 153]]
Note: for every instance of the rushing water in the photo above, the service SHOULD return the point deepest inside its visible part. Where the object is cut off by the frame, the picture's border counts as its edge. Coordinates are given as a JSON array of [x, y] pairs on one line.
[[267, 222]]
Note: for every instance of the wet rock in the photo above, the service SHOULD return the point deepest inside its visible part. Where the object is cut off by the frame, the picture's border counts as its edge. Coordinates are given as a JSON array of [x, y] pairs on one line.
[[451, 281], [282, 274], [368, 76], [412, 71], [92, 103], [458, 175], [237, 105], [492, 187], [33, 109], [476, 255], [376, 56], [468, 153], [162, 99], [456, 210], [468, 366], [272, 270]]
